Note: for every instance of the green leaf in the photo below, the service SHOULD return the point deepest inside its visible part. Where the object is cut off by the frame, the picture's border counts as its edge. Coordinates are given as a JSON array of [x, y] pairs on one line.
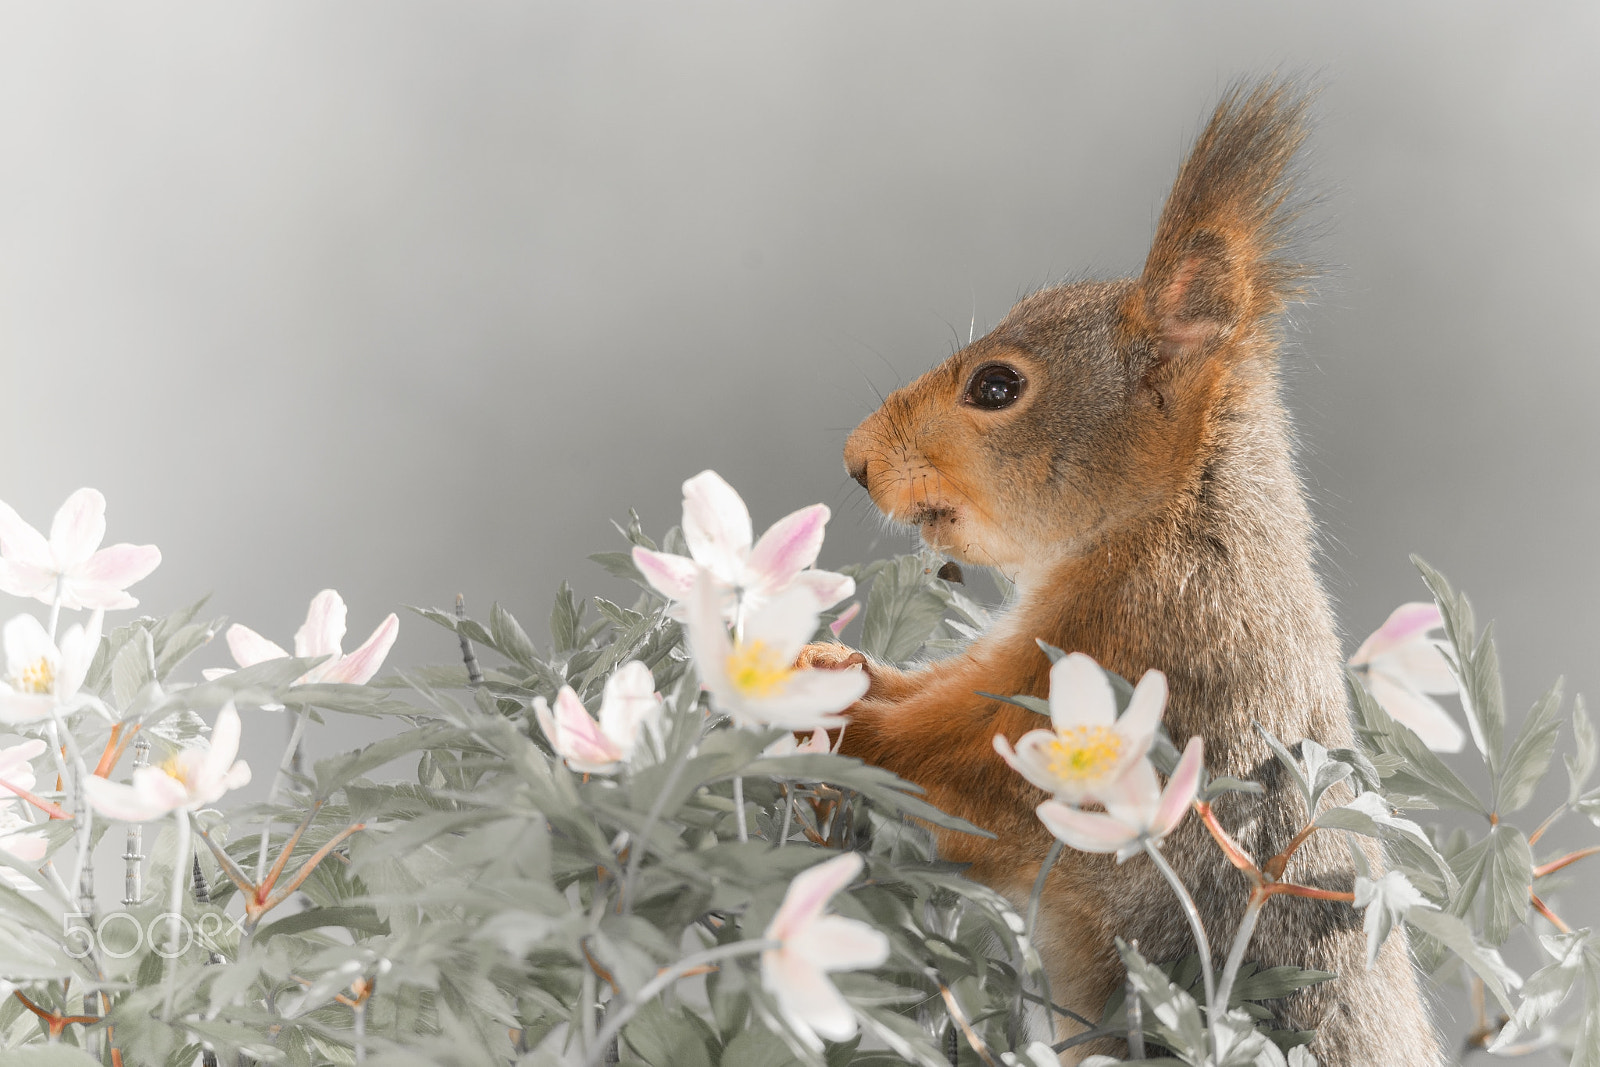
[[757, 1048], [901, 613], [1547, 987], [511, 638], [50, 1056], [1275, 982], [1290, 764], [1451, 932], [1500, 870], [1369, 814], [1476, 664], [1384, 903], [1421, 771], [358, 920], [566, 620], [1586, 749], [1175, 1011], [1531, 753], [619, 565]]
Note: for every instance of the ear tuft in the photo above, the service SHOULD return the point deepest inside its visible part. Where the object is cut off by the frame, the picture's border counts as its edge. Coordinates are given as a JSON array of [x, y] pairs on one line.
[[1217, 262]]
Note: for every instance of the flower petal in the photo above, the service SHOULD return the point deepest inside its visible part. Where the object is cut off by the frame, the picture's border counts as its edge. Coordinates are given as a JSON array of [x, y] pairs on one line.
[[1080, 694], [359, 666], [26, 643], [78, 646], [784, 624], [671, 576], [78, 528], [323, 629], [250, 648], [835, 943], [152, 795], [809, 892], [828, 587], [708, 635], [810, 1003], [628, 704], [716, 524], [809, 699], [1137, 726], [1181, 789], [789, 546], [1424, 715], [1420, 665], [836, 627], [27, 580], [1027, 760], [224, 743], [1134, 796], [20, 542], [578, 737], [1086, 831], [100, 580], [20, 709], [1405, 623]]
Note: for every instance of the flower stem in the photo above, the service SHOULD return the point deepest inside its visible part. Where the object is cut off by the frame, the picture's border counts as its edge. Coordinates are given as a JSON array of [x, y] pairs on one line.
[[1247, 929], [788, 813], [1570, 858], [619, 1018], [738, 808], [295, 733], [641, 840], [180, 878], [1202, 943]]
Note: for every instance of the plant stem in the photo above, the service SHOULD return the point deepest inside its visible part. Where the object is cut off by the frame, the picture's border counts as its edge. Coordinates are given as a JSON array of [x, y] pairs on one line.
[[641, 840], [1570, 858], [1038, 886], [738, 808], [180, 878], [619, 1018], [788, 813], [295, 734], [1247, 929], [1202, 943]]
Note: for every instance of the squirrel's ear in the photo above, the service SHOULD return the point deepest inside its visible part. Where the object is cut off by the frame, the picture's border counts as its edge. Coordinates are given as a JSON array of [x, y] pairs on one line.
[[1217, 262]]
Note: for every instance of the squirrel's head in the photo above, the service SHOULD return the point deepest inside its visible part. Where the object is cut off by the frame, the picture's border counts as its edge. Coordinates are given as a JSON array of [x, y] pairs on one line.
[[1094, 406]]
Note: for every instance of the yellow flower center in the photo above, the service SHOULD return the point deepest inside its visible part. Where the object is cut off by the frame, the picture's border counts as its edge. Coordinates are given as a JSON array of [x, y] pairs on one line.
[[1084, 753], [37, 677], [756, 669]]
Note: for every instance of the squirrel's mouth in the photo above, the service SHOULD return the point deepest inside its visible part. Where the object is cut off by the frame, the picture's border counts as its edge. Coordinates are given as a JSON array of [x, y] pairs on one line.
[[933, 519]]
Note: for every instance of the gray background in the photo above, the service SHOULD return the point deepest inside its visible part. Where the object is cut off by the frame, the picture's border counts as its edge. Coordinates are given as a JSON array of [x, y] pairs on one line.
[[408, 299]]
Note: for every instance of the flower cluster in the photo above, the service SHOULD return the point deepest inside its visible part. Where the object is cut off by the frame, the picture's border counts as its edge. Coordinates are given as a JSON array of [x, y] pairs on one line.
[[1089, 755]]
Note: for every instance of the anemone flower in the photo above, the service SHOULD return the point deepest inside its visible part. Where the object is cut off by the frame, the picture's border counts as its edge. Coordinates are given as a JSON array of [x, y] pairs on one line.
[[190, 780], [1137, 808], [716, 524], [16, 766], [19, 839], [628, 706], [1403, 665], [320, 635], [753, 677], [71, 568], [41, 679], [1087, 748], [811, 944]]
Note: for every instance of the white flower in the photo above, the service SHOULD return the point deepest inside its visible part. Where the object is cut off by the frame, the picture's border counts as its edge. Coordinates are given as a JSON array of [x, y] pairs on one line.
[[716, 524], [40, 678], [16, 765], [320, 635], [1136, 806], [190, 780], [1403, 666], [68, 564], [812, 944], [789, 745], [754, 678], [16, 838], [628, 705], [1087, 747]]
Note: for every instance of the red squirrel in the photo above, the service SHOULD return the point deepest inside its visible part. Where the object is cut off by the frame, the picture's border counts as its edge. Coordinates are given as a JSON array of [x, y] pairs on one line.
[[1121, 451]]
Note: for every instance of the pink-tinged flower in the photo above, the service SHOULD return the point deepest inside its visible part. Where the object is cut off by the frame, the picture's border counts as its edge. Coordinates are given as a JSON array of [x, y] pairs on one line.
[[16, 838], [1137, 808], [41, 679], [321, 635], [1403, 665], [753, 678], [716, 524], [1087, 748], [788, 745], [67, 565], [628, 706], [190, 780], [812, 944], [16, 766], [837, 625]]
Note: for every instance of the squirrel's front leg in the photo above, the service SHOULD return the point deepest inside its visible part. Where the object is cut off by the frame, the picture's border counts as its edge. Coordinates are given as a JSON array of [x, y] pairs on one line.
[[885, 683]]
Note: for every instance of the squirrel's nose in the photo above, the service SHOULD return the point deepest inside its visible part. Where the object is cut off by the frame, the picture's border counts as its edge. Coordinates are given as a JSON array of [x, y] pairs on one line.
[[858, 471]]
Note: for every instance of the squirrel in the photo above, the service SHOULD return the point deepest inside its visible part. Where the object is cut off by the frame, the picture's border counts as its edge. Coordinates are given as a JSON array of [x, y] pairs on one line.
[[1121, 451]]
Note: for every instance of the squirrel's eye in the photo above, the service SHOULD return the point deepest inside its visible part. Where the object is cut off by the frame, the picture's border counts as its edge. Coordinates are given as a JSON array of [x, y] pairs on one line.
[[995, 386]]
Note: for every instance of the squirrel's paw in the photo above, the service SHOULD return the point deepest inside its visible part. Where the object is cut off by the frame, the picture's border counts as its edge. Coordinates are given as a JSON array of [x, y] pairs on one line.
[[827, 656]]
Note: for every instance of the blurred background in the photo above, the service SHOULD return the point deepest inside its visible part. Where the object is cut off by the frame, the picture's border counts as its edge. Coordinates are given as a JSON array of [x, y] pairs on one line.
[[409, 299]]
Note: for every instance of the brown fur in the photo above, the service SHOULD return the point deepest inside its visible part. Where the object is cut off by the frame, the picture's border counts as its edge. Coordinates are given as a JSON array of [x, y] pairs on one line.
[[1142, 495]]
